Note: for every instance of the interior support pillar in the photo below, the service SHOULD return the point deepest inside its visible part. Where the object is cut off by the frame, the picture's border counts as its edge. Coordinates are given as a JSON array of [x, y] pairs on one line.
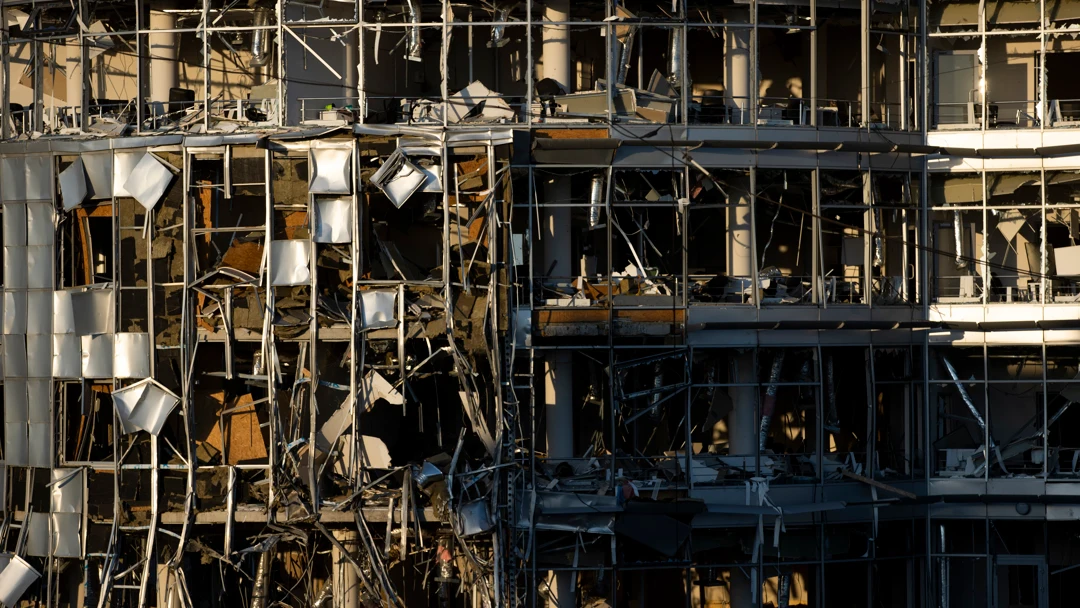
[[164, 69]]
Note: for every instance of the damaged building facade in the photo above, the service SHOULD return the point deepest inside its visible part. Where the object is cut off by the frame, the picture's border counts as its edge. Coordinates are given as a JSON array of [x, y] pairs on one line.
[[523, 303]]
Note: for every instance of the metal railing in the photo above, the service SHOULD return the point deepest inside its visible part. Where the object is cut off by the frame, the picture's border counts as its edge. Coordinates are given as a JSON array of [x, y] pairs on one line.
[[158, 114], [1064, 291], [246, 110], [1014, 114], [1009, 294], [1001, 114], [844, 290], [957, 289], [1064, 113], [732, 469], [794, 290], [721, 289], [419, 110], [346, 109]]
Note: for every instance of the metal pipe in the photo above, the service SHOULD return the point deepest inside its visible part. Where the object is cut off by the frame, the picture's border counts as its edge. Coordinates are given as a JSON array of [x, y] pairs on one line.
[[832, 420], [964, 394], [658, 383], [498, 32], [596, 200], [879, 242], [958, 235], [627, 51], [675, 59], [260, 39], [944, 590], [325, 594], [261, 591], [784, 591], [414, 46], [768, 406]]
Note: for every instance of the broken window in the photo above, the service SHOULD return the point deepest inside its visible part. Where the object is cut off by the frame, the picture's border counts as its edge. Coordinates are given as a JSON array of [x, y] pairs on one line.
[[719, 204], [1016, 398], [573, 264], [783, 213], [788, 427], [1062, 371], [404, 62], [650, 404], [899, 413], [895, 238], [838, 53], [487, 68], [783, 61], [88, 230], [957, 74], [961, 442], [958, 265], [647, 234], [1015, 245], [1012, 74], [847, 231], [1062, 235]]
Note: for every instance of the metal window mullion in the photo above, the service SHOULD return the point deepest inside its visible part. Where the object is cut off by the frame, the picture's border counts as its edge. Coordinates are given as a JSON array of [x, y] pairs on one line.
[[1045, 283], [754, 279], [268, 338], [357, 271], [813, 72], [140, 68], [203, 27], [1045, 437], [313, 328], [281, 71]]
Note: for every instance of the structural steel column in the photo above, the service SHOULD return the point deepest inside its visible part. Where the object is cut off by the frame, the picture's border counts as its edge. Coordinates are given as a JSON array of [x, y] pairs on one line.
[[164, 72]]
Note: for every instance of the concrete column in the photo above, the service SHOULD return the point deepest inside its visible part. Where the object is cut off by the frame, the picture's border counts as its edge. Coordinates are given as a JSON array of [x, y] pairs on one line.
[[742, 593], [742, 421], [740, 256], [352, 74], [864, 66], [562, 590], [346, 583], [164, 69], [556, 44], [555, 242], [737, 72], [557, 262], [73, 67], [742, 441], [558, 406]]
